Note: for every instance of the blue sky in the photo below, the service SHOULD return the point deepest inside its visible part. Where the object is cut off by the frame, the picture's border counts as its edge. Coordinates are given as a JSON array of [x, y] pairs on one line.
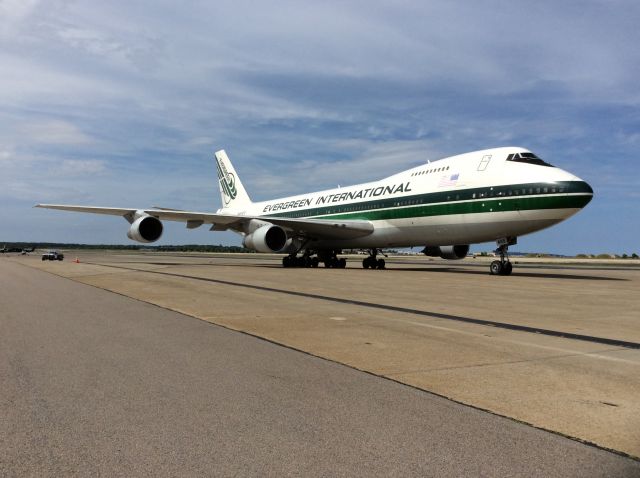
[[123, 103]]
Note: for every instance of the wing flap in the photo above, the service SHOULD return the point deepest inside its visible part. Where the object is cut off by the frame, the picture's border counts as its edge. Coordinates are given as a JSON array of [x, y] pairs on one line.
[[112, 211], [165, 214], [324, 228]]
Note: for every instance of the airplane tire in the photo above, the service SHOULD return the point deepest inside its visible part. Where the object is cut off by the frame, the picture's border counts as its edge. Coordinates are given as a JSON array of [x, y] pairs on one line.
[[365, 263], [342, 263], [381, 264], [495, 268], [507, 269]]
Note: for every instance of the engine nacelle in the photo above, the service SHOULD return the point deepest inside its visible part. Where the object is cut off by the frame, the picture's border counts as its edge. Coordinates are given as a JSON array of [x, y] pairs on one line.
[[145, 229], [447, 252], [268, 238]]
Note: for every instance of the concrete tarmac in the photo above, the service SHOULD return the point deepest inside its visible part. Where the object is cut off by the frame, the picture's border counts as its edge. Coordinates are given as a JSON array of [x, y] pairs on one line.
[[114, 382]]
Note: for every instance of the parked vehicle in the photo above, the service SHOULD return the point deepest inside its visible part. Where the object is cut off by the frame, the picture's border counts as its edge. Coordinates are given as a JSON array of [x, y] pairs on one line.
[[52, 256]]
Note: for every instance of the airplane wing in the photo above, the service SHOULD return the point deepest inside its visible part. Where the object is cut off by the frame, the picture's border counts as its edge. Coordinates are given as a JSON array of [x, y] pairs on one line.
[[323, 228], [315, 228]]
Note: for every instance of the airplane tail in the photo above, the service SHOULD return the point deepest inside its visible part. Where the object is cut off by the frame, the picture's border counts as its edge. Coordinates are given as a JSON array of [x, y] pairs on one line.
[[231, 189]]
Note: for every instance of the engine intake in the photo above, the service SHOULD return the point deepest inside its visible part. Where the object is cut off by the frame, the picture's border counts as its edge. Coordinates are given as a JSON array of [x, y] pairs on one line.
[[268, 238], [447, 252], [145, 229]]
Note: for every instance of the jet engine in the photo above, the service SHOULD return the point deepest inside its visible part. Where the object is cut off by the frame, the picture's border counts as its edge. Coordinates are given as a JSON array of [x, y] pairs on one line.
[[267, 238], [145, 229], [447, 252]]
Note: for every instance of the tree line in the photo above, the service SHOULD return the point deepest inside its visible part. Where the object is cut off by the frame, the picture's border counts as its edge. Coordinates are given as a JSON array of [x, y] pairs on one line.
[[18, 246]]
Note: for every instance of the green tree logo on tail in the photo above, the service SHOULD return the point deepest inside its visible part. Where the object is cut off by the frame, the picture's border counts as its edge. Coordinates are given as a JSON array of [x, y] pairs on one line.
[[227, 183]]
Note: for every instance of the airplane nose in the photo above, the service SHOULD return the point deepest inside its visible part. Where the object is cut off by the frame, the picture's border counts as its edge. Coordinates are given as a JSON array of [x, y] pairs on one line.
[[586, 192]]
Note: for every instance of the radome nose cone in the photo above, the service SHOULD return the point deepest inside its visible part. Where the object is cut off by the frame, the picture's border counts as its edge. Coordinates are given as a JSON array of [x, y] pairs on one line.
[[588, 190], [588, 187]]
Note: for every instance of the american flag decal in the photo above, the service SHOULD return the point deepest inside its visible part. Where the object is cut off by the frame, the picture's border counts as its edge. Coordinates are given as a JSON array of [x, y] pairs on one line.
[[449, 180]]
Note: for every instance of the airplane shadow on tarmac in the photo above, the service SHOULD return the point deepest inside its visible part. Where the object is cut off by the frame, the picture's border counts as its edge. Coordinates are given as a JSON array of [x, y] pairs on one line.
[[427, 270], [516, 272]]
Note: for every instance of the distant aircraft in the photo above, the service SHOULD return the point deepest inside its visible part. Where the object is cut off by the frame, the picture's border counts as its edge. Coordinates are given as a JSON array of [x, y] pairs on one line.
[[490, 195], [6, 249]]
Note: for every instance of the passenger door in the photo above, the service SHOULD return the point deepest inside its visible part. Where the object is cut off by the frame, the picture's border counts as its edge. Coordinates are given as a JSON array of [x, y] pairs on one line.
[[484, 162]]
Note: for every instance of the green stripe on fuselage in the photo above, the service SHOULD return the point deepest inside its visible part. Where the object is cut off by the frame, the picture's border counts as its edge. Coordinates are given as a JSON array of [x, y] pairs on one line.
[[518, 197], [474, 207]]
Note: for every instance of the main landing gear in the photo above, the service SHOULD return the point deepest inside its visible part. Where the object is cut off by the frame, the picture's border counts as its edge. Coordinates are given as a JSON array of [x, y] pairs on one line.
[[502, 267], [372, 262], [329, 258], [302, 261]]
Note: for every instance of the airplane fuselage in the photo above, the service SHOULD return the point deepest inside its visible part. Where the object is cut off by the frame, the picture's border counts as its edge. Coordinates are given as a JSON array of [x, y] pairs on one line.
[[470, 198]]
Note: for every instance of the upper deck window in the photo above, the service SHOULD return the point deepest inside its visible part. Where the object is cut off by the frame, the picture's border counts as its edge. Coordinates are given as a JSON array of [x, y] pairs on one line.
[[528, 158]]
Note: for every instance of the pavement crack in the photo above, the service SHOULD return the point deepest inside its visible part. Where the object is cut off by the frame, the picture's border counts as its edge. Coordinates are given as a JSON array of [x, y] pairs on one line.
[[491, 364]]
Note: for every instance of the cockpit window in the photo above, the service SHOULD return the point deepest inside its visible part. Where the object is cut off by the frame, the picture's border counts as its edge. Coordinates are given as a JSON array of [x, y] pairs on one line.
[[528, 158]]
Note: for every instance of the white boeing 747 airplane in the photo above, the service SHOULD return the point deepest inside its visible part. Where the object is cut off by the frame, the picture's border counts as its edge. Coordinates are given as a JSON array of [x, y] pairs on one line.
[[445, 205]]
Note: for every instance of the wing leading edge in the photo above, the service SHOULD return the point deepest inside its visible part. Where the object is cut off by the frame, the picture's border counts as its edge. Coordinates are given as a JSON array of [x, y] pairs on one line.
[[316, 228]]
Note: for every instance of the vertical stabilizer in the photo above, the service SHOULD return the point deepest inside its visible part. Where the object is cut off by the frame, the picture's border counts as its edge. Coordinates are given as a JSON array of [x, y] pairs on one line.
[[231, 189]]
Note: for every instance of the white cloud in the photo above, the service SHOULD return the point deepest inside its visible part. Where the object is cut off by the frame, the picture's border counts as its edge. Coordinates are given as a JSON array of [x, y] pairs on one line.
[[14, 12], [52, 132], [365, 161], [80, 167]]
